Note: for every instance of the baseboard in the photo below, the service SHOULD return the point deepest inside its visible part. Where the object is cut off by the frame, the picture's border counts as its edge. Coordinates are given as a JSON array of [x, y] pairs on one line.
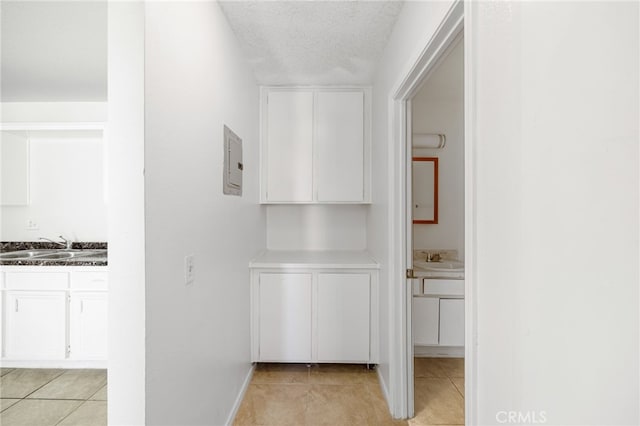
[[385, 390], [240, 397], [438, 351], [62, 363]]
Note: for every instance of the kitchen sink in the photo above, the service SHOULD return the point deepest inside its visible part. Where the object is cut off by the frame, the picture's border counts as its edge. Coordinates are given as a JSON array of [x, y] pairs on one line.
[[24, 254], [51, 254]]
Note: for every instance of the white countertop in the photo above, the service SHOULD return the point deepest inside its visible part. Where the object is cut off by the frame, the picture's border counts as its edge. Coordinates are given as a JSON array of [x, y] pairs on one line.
[[340, 259]]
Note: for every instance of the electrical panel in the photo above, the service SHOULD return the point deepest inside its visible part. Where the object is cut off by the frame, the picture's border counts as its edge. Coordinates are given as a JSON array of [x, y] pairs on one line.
[[232, 178]]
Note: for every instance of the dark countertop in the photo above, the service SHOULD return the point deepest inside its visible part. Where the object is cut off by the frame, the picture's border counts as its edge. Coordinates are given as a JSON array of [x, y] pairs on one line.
[[94, 260]]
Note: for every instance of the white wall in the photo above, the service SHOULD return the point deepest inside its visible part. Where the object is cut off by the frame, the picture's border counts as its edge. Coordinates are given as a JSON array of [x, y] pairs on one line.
[[66, 189], [126, 215], [197, 344], [317, 227], [555, 154], [438, 110], [415, 25]]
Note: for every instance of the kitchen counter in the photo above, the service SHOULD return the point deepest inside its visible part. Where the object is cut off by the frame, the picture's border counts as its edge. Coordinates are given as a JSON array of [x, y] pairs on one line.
[[97, 259], [314, 259]]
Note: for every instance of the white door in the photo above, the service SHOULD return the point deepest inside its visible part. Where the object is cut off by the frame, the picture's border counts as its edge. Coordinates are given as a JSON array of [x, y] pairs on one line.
[[452, 322], [36, 325], [340, 146], [89, 325], [288, 148], [343, 317], [285, 317]]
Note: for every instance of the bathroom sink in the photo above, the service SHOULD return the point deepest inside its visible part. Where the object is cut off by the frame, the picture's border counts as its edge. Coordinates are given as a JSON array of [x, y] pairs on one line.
[[446, 265]]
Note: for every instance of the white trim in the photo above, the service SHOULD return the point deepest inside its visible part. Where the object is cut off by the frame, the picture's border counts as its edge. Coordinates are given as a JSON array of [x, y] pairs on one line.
[[470, 309], [439, 351], [53, 126], [61, 363], [240, 397], [444, 39]]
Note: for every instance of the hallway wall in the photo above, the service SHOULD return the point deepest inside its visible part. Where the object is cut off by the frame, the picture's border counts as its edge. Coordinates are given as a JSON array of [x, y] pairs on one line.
[[415, 26], [197, 345], [555, 151]]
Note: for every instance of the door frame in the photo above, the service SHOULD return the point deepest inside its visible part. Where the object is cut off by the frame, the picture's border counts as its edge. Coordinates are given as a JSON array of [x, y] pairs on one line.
[[449, 32]]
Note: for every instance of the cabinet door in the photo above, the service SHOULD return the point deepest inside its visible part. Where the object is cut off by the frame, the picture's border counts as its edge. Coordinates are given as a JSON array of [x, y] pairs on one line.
[[340, 146], [343, 317], [452, 322], [425, 320], [285, 317], [88, 325], [288, 149], [36, 325]]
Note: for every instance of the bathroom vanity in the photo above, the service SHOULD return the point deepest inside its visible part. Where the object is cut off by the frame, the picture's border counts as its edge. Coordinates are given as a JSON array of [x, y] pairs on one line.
[[438, 308]]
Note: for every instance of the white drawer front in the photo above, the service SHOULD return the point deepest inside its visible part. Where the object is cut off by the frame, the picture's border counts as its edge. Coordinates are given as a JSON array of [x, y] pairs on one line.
[[37, 280], [444, 287], [89, 280]]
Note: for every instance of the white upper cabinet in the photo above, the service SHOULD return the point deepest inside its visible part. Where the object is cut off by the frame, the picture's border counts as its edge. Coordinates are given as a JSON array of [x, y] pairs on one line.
[[340, 146], [289, 151], [315, 145]]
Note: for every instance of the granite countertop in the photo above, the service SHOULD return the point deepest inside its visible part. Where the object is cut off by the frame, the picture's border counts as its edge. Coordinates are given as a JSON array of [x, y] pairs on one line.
[[96, 259]]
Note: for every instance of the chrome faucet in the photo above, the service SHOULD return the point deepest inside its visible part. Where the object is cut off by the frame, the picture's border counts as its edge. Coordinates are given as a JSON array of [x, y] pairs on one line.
[[433, 257], [67, 244]]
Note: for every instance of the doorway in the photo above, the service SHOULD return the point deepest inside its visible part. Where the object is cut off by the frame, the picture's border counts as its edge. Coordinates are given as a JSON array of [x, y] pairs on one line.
[[446, 38]]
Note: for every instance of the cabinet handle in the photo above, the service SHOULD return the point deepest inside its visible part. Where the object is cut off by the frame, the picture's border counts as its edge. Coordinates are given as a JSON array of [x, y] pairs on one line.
[[81, 306], [16, 305]]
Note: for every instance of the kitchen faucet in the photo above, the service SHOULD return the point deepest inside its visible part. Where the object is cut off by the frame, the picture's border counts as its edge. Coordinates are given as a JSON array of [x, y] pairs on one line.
[[67, 244]]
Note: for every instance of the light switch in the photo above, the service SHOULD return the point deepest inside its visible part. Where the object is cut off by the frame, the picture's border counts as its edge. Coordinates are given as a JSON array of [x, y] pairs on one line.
[[189, 269], [233, 167]]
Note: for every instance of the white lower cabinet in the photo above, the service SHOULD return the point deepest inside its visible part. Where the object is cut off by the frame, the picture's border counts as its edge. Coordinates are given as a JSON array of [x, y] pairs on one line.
[[343, 317], [54, 316], [285, 317], [451, 322], [88, 325], [36, 324], [426, 319], [314, 316], [438, 314]]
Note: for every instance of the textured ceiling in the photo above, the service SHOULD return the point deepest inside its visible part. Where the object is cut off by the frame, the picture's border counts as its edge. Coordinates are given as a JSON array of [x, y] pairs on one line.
[[312, 42], [53, 51]]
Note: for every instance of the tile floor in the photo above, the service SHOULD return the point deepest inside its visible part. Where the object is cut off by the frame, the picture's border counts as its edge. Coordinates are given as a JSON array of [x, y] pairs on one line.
[[49, 397], [330, 394]]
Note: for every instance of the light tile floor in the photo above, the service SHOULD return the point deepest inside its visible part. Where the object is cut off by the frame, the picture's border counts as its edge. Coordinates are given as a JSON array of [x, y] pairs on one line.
[[50, 397], [331, 394]]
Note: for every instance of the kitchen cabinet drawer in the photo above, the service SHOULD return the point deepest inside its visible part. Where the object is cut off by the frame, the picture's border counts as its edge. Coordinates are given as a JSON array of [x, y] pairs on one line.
[[37, 280], [89, 280]]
